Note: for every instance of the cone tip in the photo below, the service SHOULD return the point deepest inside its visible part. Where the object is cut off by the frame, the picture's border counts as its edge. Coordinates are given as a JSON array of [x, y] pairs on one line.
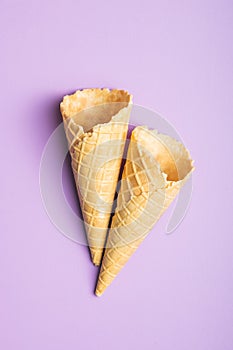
[[96, 255], [98, 293]]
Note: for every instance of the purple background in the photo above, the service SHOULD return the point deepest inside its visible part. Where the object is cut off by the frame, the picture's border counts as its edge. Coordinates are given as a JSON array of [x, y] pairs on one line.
[[175, 57]]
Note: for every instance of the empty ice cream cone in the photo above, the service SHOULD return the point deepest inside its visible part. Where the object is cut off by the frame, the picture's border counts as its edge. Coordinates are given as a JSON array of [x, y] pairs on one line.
[[157, 167], [96, 124]]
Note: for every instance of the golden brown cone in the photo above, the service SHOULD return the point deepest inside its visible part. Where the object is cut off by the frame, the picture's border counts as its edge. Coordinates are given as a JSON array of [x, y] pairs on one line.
[[96, 124], [157, 167]]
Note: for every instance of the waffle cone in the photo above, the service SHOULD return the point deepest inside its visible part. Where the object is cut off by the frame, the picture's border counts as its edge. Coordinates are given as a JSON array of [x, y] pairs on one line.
[[157, 167], [96, 124]]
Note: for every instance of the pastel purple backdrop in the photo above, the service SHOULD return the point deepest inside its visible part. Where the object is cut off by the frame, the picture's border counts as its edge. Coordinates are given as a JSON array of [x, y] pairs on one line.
[[175, 57]]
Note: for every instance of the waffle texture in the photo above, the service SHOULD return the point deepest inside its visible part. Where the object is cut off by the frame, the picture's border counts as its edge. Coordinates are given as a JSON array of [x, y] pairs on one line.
[[157, 167], [96, 124]]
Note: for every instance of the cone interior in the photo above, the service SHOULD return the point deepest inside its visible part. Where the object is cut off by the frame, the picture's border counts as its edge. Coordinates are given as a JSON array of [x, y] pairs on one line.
[[173, 158], [91, 107]]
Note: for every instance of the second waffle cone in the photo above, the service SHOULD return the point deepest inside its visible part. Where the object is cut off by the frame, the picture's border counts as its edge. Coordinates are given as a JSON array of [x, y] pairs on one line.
[[157, 167]]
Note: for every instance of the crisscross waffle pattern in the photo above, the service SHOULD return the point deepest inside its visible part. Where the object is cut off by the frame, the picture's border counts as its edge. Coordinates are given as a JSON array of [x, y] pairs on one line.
[[96, 159], [144, 195]]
